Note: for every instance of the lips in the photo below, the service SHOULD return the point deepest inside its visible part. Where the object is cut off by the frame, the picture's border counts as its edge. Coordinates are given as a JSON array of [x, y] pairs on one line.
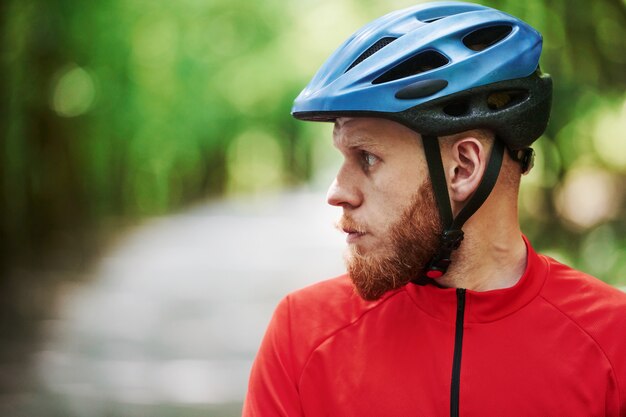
[[353, 231], [353, 235]]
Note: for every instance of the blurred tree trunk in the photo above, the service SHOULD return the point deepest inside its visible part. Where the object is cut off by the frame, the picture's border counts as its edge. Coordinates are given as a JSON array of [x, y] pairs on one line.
[[41, 179]]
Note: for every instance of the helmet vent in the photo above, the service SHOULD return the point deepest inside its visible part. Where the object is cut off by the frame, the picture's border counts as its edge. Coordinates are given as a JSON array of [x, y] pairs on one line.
[[380, 44], [432, 19], [422, 62], [500, 100], [483, 38], [457, 108]]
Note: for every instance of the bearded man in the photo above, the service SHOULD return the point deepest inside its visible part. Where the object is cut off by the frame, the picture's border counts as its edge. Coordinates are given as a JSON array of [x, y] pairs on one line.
[[446, 308]]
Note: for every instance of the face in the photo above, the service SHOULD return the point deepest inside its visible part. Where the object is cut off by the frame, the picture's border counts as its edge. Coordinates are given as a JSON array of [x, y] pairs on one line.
[[389, 211]]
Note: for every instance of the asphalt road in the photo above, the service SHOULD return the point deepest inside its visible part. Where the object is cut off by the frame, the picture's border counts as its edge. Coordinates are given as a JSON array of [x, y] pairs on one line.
[[169, 321]]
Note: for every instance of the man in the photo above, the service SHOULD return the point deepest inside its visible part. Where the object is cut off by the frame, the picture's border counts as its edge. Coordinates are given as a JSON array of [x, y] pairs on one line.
[[446, 308]]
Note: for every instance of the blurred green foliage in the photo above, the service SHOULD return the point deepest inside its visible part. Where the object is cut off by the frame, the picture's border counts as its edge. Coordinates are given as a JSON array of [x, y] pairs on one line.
[[125, 108]]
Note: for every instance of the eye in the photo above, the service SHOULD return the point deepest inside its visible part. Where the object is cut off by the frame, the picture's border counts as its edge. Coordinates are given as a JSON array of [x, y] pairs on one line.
[[368, 159]]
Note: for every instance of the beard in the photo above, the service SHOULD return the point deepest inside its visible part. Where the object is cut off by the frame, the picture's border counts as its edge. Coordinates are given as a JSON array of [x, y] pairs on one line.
[[411, 243]]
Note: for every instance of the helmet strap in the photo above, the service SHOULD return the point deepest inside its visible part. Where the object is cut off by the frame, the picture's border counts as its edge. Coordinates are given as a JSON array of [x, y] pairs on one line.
[[452, 234]]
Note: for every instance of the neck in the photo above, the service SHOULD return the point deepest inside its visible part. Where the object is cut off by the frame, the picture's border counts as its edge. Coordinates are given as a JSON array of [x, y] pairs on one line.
[[492, 256]]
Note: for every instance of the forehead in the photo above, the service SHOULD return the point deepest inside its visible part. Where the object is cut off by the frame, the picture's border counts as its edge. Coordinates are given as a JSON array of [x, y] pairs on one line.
[[373, 133]]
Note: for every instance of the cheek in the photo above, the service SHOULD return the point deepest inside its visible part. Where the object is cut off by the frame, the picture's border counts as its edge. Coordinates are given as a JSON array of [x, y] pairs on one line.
[[400, 176], [396, 189], [391, 190], [387, 206]]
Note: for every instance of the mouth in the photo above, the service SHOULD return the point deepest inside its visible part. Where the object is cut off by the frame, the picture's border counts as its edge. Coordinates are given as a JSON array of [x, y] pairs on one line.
[[353, 231], [353, 235]]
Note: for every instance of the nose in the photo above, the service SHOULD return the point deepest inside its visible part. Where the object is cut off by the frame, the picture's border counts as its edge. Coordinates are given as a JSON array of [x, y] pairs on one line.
[[343, 192]]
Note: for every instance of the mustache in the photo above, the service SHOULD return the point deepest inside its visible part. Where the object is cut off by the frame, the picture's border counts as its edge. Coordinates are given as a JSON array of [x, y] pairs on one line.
[[346, 223]]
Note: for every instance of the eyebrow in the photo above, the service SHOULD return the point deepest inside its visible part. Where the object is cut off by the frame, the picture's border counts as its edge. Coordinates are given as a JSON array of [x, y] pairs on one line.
[[358, 141]]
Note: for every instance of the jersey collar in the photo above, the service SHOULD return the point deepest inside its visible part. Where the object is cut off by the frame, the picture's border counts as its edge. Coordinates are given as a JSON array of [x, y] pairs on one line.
[[485, 306]]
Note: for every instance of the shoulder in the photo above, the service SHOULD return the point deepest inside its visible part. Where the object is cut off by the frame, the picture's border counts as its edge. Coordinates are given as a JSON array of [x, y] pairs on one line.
[[580, 294], [334, 300], [301, 323], [595, 307], [327, 306], [308, 317]]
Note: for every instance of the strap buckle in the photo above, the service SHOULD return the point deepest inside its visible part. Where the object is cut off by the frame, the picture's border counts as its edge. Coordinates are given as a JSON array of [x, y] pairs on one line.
[[526, 157], [438, 265]]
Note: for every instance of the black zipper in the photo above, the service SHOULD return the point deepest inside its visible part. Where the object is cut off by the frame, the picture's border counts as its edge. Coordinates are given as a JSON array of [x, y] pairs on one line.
[[458, 348]]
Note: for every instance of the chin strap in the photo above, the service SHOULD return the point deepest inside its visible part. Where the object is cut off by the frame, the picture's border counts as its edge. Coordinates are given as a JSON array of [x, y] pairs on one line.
[[452, 234]]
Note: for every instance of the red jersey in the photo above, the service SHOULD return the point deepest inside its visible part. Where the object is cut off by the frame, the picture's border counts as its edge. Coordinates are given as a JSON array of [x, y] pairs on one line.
[[552, 345]]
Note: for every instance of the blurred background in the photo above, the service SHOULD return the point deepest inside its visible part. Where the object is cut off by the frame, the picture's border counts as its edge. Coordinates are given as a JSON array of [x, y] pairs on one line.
[[157, 200]]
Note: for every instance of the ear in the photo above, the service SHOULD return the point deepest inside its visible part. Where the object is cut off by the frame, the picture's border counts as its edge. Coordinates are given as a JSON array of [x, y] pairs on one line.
[[466, 165]]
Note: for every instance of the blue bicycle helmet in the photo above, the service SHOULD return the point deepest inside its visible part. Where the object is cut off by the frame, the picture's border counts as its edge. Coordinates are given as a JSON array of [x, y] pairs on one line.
[[439, 69]]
